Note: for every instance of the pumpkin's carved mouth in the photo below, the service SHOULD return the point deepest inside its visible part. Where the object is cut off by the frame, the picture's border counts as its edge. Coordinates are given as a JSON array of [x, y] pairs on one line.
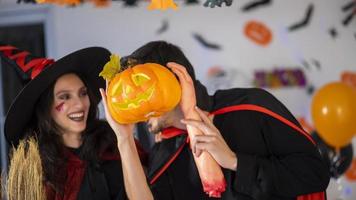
[[136, 102]]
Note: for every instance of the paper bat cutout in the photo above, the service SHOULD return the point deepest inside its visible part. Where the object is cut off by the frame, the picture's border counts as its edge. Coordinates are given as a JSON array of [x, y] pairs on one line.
[[205, 43], [305, 64], [26, 1], [348, 6], [163, 28], [256, 4], [305, 21], [316, 63], [130, 3], [190, 2], [213, 3], [333, 32], [349, 17]]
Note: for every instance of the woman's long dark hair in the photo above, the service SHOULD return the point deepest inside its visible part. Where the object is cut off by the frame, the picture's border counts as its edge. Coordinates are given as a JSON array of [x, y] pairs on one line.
[[97, 138]]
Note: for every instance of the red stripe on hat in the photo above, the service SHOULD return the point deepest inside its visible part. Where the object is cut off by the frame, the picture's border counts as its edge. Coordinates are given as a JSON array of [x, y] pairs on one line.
[[37, 64]]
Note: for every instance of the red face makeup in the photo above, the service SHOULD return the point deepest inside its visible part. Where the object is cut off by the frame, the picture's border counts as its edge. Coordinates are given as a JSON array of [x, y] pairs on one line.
[[59, 108]]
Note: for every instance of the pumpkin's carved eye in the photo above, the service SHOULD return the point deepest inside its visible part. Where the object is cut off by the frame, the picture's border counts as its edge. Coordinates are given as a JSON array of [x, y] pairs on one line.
[[128, 90], [117, 89], [140, 78]]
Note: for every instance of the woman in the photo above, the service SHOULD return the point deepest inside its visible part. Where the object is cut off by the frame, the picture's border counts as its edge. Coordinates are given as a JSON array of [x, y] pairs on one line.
[[79, 153]]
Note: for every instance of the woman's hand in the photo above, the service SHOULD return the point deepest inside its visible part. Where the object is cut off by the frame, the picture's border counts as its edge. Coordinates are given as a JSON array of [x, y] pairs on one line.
[[134, 176], [211, 141], [122, 131], [188, 100]]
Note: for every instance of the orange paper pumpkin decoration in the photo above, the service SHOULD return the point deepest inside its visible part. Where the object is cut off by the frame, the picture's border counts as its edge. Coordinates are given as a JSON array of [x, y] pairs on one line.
[[258, 32], [162, 5], [143, 91], [349, 78], [350, 174]]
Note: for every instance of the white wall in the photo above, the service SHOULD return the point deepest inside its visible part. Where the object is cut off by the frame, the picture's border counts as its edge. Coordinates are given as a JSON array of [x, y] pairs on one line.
[[122, 30]]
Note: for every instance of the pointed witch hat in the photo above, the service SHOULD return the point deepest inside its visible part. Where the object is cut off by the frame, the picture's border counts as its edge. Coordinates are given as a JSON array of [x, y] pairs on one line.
[[41, 73]]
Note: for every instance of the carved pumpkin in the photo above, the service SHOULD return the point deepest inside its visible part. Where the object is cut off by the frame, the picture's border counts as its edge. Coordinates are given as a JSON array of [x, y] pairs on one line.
[[143, 91], [258, 32]]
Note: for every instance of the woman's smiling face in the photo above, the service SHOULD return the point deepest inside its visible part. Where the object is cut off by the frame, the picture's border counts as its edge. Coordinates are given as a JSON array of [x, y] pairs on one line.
[[70, 104]]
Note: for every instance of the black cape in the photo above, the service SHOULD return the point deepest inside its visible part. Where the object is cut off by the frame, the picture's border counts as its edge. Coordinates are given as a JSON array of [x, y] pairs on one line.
[[274, 160]]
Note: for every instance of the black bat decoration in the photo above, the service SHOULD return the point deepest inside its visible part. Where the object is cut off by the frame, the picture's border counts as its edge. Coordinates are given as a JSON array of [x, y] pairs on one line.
[[348, 19], [305, 20], [213, 3], [348, 6], [205, 43], [305, 64], [26, 1], [190, 2], [130, 3], [256, 4], [163, 28], [351, 5], [333, 32], [310, 89], [316, 63]]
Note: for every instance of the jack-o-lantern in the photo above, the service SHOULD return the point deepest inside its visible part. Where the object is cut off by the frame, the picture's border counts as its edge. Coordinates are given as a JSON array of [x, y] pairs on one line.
[[143, 91]]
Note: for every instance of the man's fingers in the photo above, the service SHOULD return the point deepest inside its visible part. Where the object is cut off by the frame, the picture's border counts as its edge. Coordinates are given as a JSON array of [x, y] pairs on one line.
[[181, 69], [203, 115], [205, 138], [195, 123], [206, 119], [180, 75]]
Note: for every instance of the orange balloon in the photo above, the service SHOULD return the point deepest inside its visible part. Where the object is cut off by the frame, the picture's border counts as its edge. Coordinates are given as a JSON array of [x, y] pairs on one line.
[[334, 113]]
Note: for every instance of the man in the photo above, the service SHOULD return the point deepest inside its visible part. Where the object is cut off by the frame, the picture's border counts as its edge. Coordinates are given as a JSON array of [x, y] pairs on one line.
[[263, 151]]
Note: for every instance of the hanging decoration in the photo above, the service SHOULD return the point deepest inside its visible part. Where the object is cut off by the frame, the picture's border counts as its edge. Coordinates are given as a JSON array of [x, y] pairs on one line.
[[130, 3], [163, 28], [205, 43], [333, 33], [280, 77], [97, 3], [60, 2], [218, 3], [162, 5], [305, 21], [191, 2], [258, 33], [316, 63], [346, 8], [349, 78], [26, 1], [256, 4]]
